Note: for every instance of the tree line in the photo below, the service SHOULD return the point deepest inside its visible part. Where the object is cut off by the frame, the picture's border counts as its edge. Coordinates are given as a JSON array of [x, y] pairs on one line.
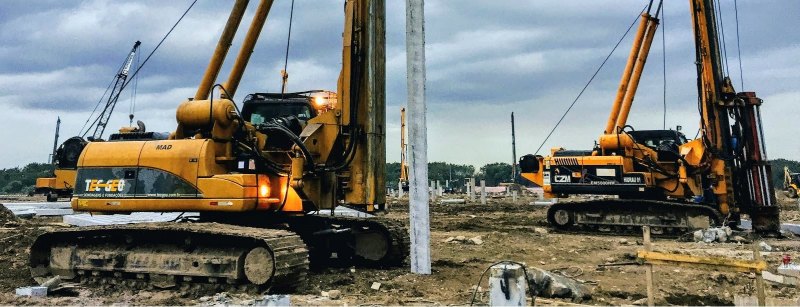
[[456, 174], [18, 180], [21, 180]]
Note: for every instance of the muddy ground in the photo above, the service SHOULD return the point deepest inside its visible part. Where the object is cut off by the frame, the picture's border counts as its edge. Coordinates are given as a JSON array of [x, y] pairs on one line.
[[509, 232]]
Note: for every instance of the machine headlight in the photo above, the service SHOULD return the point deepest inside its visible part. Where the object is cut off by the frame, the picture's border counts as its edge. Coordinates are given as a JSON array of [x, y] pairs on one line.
[[319, 102]]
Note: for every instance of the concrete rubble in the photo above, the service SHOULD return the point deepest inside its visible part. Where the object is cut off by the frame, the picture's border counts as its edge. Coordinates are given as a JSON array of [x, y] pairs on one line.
[[544, 202], [227, 299], [453, 201], [477, 240], [780, 279], [334, 294], [41, 290], [37, 291], [789, 270], [713, 234], [551, 285]]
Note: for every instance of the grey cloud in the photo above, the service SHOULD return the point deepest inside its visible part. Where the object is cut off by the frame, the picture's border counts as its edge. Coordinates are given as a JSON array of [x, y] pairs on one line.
[[485, 60]]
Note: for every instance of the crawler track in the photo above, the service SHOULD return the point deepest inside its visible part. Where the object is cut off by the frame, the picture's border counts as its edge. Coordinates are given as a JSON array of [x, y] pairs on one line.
[[624, 216], [166, 255], [368, 242]]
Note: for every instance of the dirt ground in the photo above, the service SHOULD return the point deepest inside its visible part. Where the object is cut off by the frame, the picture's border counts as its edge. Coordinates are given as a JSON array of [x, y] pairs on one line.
[[509, 231]]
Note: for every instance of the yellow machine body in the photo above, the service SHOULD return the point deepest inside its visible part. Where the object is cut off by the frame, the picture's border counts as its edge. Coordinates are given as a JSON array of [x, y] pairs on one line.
[[171, 175], [725, 169], [212, 153], [64, 179]]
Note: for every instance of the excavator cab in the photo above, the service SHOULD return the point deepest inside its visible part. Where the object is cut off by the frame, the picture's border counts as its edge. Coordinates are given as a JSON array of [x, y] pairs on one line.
[[260, 108], [665, 142], [292, 110]]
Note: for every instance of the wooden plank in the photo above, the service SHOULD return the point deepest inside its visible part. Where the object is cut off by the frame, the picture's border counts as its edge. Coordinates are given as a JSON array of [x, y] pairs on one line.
[[760, 293], [703, 262], [648, 246]]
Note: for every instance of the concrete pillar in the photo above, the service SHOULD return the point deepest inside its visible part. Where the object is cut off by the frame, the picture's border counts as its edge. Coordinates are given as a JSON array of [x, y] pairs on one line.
[[400, 189], [432, 191], [507, 286], [419, 214], [483, 192], [514, 196], [471, 189], [439, 189]]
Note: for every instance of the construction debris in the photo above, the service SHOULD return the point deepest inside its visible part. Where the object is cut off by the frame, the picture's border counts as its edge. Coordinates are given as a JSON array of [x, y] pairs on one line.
[[7, 216], [375, 286], [455, 267], [273, 300], [477, 240], [52, 283], [553, 285], [714, 234], [780, 279], [38, 291], [334, 294], [764, 246], [789, 270], [453, 201]]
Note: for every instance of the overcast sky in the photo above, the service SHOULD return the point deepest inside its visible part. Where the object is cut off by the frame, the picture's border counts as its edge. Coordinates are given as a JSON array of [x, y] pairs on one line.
[[486, 59]]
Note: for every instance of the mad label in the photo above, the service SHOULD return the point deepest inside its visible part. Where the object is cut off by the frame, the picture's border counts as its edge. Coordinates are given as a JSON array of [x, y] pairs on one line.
[[164, 147]]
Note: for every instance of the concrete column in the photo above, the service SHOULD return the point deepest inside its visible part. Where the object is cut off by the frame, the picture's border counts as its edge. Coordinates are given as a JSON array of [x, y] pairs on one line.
[[471, 187], [514, 196], [432, 191], [439, 189], [399, 189], [418, 138], [483, 192]]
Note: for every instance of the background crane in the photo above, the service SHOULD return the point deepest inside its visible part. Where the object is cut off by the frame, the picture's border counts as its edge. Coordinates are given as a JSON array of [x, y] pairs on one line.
[[100, 122]]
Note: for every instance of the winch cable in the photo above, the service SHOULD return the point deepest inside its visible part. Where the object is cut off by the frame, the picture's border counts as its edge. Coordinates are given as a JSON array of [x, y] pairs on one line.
[[664, 61], [135, 73], [132, 108], [286, 57], [159, 44], [98, 104], [738, 47], [718, 9], [590, 80]]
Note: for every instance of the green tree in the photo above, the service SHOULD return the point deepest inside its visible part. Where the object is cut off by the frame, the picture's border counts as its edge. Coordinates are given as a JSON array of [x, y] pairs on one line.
[[16, 180], [495, 173], [13, 187], [437, 171]]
